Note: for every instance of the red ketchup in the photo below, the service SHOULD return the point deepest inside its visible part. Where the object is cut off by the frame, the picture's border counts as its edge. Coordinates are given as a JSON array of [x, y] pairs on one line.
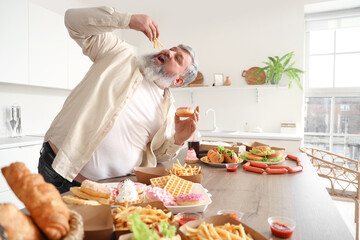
[[232, 168], [184, 220], [281, 230]]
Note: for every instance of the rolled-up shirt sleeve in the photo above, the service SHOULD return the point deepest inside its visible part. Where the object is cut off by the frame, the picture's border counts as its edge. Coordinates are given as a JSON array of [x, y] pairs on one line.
[[168, 150], [92, 29]]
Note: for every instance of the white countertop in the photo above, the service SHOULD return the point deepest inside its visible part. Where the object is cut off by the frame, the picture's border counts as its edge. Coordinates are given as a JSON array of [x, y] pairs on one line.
[[8, 142], [252, 135]]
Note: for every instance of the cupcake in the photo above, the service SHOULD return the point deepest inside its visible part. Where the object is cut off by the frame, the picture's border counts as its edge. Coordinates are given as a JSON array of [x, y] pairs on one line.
[[127, 193], [191, 156]]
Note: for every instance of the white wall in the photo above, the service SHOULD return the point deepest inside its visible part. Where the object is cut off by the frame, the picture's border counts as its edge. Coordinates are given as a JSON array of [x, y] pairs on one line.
[[229, 36]]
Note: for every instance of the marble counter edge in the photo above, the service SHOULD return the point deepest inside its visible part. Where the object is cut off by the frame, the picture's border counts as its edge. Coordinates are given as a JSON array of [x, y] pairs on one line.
[[8, 142]]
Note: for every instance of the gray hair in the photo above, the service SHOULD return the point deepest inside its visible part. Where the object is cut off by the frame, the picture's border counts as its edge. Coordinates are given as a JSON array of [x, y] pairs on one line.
[[191, 72]]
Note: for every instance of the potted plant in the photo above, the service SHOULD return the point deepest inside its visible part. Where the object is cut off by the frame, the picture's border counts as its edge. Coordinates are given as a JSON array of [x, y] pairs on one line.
[[276, 67]]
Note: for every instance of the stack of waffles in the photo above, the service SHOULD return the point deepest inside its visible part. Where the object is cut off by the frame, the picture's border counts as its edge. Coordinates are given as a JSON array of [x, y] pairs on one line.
[[172, 184]]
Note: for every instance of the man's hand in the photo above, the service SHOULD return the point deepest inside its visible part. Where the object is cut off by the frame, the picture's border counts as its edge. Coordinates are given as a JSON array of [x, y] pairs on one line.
[[145, 24], [184, 129]]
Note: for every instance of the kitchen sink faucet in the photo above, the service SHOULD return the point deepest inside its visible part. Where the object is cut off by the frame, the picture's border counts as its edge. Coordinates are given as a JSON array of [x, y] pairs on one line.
[[215, 128]]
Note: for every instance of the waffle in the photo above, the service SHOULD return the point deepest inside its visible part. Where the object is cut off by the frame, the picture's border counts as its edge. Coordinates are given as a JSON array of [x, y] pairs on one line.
[[159, 181], [176, 186]]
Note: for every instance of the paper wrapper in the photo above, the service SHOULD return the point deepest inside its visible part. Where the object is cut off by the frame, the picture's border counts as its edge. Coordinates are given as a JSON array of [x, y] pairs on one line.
[[219, 220]]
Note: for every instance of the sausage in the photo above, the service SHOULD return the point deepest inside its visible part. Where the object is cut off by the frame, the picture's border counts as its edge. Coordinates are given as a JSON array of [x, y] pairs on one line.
[[292, 157], [276, 171], [296, 169], [259, 164], [246, 164], [279, 167], [254, 169]]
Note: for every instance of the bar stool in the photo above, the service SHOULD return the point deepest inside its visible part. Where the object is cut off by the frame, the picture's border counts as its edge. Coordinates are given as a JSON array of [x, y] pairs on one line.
[[342, 172]]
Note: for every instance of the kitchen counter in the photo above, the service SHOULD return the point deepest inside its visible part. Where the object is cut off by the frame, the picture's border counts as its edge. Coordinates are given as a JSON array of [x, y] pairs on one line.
[[8, 142], [252, 135]]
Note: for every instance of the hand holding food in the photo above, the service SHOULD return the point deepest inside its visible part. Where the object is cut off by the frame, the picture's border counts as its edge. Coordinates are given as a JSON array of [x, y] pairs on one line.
[[146, 25], [185, 128]]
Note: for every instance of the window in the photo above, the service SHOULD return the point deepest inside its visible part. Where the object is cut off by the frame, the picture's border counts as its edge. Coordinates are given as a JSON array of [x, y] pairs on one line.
[[332, 85]]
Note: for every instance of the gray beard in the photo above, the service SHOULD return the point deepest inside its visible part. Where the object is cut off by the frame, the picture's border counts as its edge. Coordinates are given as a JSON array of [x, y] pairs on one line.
[[155, 73]]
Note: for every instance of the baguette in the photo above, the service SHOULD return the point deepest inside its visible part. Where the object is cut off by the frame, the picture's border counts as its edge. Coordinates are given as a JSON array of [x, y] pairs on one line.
[[42, 200], [16, 225]]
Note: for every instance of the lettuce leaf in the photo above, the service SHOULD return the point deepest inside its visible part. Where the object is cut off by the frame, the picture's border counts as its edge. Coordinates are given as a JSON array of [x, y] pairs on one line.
[[140, 229], [220, 148], [259, 151], [166, 229]]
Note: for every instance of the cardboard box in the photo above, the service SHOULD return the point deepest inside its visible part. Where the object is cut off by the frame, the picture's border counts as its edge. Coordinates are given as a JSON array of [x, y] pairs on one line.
[[157, 204], [237, 147], [98, 222], [219, 220], [144, 174]]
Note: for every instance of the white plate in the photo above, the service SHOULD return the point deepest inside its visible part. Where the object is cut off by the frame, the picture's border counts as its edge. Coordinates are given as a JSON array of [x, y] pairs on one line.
[[216, 164], [268, 163], [197, 188]]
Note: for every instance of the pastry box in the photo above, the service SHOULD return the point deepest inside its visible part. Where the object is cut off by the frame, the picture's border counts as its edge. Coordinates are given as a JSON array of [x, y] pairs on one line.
[[216, 221], [98, 223]]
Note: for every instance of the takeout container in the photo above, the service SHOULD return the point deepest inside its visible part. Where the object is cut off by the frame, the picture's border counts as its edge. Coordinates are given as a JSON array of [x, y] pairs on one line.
[[204, 148], [98, 222], [157, 204], [144, 174], [219, 220]]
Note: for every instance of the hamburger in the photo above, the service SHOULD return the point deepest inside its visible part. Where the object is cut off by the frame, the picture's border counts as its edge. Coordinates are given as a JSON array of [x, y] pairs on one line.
[[263, 154]]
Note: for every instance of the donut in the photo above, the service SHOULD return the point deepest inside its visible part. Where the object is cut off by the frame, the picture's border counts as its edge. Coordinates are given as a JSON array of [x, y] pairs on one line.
[[96, 189], [190, 199], [159, 194], [184, 112]]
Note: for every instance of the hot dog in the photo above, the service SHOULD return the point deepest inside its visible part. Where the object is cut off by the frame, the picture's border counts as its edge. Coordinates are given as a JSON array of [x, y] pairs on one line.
[[259, 165], [254, 169], [276, 171], [279, 167], [296, 169], [230, 156], [215, 156]]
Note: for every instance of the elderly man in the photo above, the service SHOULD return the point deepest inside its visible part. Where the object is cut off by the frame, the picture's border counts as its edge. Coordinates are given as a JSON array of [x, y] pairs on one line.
[[121, 114]]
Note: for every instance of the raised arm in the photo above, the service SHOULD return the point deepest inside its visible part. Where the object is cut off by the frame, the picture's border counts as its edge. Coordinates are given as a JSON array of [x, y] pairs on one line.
[[92, 28]]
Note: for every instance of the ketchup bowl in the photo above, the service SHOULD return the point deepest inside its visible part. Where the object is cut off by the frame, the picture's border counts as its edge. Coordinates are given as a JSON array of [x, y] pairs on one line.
[[282, 227], [231, 167], [232, 213], [185, 217]]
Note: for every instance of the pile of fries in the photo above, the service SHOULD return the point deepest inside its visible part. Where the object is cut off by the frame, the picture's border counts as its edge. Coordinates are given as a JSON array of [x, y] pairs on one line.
[[186, 170], [149, 215], [206, 231]]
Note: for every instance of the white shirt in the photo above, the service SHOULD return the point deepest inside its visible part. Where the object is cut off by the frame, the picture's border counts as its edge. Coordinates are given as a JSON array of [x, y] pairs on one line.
[[123, 147]]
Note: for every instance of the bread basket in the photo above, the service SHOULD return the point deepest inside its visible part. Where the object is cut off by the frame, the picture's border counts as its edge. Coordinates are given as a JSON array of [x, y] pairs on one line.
[[252, 79], [76, 227]]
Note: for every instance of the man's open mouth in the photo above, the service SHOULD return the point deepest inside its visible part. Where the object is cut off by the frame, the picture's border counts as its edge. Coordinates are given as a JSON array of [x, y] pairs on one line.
[[161, 59]]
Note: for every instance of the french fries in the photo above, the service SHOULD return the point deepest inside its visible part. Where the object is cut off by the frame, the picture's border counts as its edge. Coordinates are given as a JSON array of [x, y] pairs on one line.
[[206, 231], [149, 215], [157, 44], [186, 170]]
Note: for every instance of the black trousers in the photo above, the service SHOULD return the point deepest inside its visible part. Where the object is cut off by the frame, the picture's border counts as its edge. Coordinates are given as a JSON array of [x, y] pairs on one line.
[[47, 157]]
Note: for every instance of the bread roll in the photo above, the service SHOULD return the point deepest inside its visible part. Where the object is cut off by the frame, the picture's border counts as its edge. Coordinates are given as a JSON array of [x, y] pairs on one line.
[[16, 225], [215, 157], [42, 200]]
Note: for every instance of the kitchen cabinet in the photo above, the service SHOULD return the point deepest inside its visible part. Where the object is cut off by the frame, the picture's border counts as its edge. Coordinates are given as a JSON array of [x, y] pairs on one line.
[[78, 63], [47, 48], [28, 155], [14, 41]]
